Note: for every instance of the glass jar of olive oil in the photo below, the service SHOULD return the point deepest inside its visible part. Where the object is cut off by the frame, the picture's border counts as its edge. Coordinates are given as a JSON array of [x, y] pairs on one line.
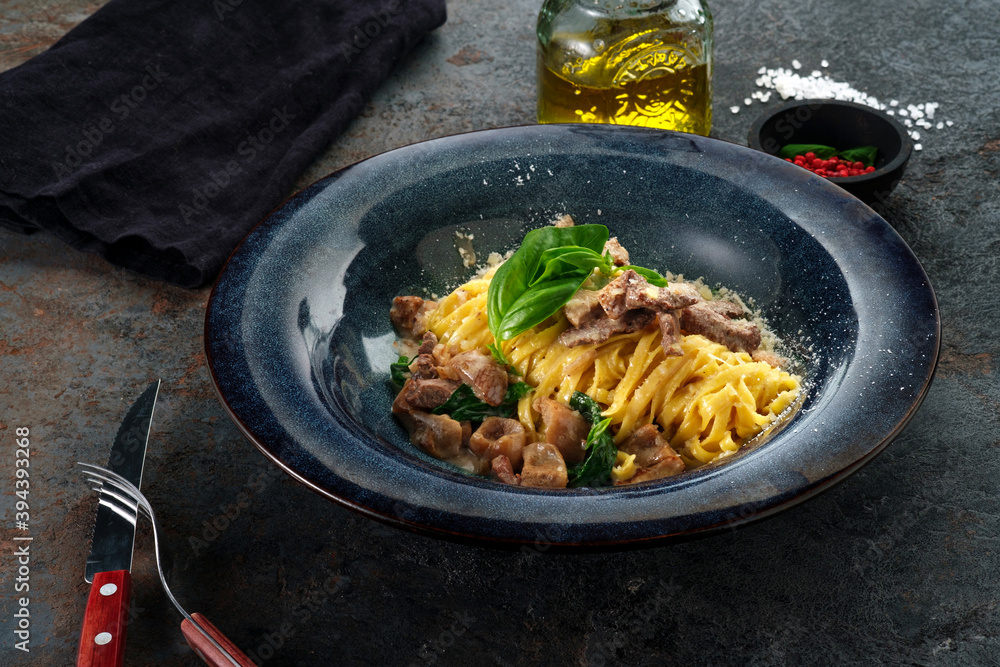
[[627, 62]]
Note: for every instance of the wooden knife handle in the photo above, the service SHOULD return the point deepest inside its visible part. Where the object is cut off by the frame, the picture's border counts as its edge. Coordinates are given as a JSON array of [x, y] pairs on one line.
[[102, 640], [204, 648]]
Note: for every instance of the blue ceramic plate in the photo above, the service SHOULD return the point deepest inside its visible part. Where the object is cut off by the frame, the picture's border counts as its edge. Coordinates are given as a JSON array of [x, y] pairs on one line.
[[299, 341]]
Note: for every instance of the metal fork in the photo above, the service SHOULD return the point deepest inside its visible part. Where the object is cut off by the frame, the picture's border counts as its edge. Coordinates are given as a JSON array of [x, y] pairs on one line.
[[123, 498]]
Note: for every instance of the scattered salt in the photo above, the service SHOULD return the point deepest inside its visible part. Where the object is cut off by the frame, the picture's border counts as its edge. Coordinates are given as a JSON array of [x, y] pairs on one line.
[[790, 84], [735, 109], [918, 147]]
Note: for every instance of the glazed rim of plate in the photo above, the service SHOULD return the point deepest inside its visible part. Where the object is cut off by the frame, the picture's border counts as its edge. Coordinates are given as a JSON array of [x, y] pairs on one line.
[[278, 312]]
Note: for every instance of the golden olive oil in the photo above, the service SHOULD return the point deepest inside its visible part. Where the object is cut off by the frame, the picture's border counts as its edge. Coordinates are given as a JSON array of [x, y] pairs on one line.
[[645, 64]]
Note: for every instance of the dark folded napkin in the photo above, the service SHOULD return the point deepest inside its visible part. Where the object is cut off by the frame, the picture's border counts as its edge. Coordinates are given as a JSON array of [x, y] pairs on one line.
[[158, 132]]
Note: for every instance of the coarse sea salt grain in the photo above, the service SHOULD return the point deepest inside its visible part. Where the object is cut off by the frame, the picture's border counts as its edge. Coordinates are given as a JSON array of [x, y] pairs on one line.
[[790, 84]]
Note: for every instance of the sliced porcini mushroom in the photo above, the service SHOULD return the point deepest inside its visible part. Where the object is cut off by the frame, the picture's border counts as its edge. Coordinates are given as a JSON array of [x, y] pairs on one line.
[[654, 456], [438, 435], [543, 467], [487, 378], [429, 393], [565, 428], [502, 471], [660, 470], [498, 436]]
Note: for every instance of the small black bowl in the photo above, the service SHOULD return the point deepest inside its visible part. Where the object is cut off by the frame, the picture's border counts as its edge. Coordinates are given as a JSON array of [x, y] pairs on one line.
[[842, 125]]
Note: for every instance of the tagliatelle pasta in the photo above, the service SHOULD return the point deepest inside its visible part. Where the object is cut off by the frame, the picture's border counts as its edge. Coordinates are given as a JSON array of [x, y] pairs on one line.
[[707, 402]]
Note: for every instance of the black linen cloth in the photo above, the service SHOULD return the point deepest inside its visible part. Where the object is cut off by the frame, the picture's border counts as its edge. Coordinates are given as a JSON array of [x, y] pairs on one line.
[[157, 133]]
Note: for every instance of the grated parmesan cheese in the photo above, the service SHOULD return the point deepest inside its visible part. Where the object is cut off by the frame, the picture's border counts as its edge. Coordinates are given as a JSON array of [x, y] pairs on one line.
[[463, 243]]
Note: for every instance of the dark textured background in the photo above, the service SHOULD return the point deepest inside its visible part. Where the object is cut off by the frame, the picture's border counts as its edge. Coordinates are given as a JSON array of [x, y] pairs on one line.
[[897, 565]]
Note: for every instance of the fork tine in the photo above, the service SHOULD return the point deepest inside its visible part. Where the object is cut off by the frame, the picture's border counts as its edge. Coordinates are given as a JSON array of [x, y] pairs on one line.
[[116, 499], [115, 480], [116, 491], [117, 494]]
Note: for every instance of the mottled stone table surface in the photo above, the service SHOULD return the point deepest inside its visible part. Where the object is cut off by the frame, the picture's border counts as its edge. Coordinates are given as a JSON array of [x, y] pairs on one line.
[[899, 564]]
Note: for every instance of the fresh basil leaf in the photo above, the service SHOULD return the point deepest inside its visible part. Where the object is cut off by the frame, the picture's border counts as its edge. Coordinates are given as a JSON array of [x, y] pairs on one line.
[[863, 154], [513, 277], [651, 276], [499, 356], [791, 150], [601, 451], [400, 371], [566, 261], [536, 304], [463, 405]]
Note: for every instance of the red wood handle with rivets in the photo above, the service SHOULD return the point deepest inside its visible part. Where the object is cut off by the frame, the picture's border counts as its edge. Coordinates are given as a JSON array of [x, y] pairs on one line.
[[102, 640], [204, 648]]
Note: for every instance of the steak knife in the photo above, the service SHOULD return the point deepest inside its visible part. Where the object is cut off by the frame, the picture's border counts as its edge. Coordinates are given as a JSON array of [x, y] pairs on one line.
[[109, 564]]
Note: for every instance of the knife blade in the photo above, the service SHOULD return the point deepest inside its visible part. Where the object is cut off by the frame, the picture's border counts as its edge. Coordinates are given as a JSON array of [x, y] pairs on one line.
[[109, 563]]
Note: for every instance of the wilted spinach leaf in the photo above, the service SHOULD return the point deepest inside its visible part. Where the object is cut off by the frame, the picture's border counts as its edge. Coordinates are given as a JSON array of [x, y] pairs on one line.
[[601, 451], [400, 370], [463, 405]]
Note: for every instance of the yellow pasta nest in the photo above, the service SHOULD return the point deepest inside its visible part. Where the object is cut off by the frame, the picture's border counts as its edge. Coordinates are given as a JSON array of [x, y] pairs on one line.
[[707, 402]]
